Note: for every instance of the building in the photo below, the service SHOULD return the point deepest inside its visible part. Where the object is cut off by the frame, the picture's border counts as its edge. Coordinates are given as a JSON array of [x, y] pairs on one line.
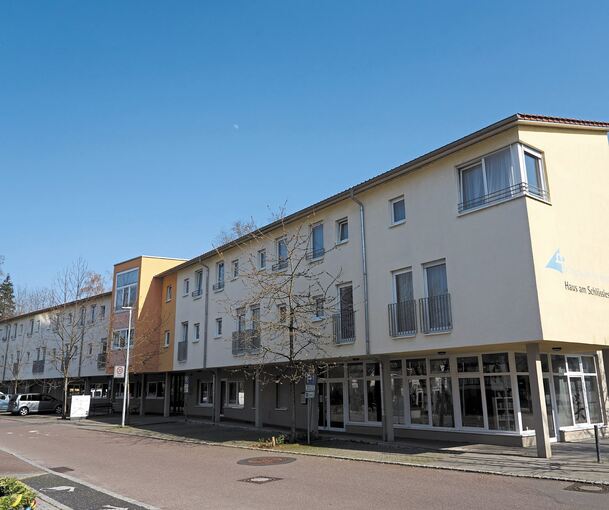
[[462, 295]]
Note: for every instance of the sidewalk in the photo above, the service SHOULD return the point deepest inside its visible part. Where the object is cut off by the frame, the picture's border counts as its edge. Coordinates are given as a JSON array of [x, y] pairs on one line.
[[574, 462]]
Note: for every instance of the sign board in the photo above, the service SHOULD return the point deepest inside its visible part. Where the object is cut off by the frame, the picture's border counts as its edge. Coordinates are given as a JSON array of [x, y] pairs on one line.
[[186, 384], [310, 383], [309, 394], [119, 372], [79, 407]]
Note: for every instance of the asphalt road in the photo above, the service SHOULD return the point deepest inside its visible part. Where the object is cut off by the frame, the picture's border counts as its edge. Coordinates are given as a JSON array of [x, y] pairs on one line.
[[173, 475]]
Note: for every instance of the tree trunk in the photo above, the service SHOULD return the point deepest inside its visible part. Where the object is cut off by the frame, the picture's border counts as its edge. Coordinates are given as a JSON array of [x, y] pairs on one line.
[[64, 409]]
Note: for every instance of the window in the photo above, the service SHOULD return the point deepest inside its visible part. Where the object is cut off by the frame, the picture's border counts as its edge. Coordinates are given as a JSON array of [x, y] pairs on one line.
[[317, 241], [119, 339], [155, 389], [197, 332], [198, 283], [262, 259], [126, 288], [168, 292], [345, 319], [282, 254], [167, 338], [219, 285], [186, 286], [500, 175], [364, 392], [235, 393], [397, 210], [342, 231], [31, 327], [102, 312], [235, 269], [93, 308], [281, 396], [402, 313], [218, 327], [283, 313], [241, 326], [37, 330], [436, 311], [319, 307], [206, 393], [185, 332], [90, 348]]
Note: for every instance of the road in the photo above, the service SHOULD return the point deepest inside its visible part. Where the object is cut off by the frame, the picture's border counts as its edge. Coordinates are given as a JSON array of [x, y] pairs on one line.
[[172, 475]]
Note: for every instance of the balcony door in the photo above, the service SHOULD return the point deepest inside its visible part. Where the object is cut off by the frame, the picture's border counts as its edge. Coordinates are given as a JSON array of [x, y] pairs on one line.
[[347, 324], [404, 316], [437, 306]]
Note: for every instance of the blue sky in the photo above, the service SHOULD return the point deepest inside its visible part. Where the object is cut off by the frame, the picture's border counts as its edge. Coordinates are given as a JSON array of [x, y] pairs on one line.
[[146, 127]]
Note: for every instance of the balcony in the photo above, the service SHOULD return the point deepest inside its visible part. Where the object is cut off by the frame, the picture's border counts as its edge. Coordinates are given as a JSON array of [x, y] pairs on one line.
[[246, 342], [503, 194], [282, 264], [182, 351], [198, 292], [101, 361], [436, 314], [403, 318], [218, 286], [315, 254], [38, 367], [344, 327]]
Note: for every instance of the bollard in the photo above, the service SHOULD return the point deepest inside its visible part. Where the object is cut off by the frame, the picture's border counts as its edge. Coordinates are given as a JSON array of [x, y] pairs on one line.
[[598, 446]]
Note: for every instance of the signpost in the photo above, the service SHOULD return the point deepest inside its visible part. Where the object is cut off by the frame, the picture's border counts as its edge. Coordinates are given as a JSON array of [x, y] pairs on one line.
[[119, 372], [310, 387]]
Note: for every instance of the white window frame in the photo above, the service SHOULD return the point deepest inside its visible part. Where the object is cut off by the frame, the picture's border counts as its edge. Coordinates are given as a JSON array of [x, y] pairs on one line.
[[236, 404], [198, 290], [131, 289], [184, 332], [234, 269], [220, 276], [168, 292], [339, 224], [262, 259], [392, 221], [219, 327], [197, 332], [116, 335], [167, 340], [185, 287], [316, 254], [210, 392]]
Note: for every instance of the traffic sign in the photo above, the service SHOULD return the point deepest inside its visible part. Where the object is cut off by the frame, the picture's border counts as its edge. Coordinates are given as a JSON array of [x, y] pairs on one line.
[[310, 383], [119, 372], [309, 394]]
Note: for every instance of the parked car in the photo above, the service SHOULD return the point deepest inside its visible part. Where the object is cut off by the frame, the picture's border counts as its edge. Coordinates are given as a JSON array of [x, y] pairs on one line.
[[26, 403], [4, 400]]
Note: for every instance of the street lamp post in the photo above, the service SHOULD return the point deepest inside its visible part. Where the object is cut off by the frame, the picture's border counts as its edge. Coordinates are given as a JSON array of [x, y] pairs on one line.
[[126, 385]]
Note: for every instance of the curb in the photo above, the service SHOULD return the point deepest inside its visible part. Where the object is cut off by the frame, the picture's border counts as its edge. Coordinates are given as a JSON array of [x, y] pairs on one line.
[[358, 459]]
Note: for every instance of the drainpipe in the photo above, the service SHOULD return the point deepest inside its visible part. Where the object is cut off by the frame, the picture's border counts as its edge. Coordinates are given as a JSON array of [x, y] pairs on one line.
[[206, 313], [364, 271], [8, 339]]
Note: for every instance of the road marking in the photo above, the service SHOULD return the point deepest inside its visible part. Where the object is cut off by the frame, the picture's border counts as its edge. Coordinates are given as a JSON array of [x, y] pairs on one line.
[[66, 488], [112, 507]]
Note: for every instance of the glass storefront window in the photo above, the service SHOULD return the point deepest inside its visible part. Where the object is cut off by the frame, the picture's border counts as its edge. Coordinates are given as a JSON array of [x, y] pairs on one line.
[[397, 386], [588, 364], [336, 372], [355, 370], [558, 364], [522, 363], [573, 364], [526, 403], [563, 404], [439, 366], [395, 368], [356, 399], [416, 367], [373, 369], [493, 363], [441, 402], [499, 402], [468, 364], [374, 400], [417, 389], [577, 399], [470, 392], [594, 404], [545, 366]]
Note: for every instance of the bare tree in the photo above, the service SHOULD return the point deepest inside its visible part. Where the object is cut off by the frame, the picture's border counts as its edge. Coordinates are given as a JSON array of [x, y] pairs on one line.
[[238, 229], [74, 289], [282, 314]]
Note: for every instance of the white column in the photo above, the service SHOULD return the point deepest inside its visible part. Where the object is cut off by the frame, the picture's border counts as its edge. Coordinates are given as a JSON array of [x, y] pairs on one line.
[[540, 416], [167, 399], [217, 397], [602, 358], [388, 434], [258, 398]]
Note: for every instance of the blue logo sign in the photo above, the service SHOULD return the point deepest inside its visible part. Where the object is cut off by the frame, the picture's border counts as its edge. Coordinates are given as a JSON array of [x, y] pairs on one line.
[[557, 262]]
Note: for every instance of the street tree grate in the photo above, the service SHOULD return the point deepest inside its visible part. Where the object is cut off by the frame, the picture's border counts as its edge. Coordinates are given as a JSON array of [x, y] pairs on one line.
[[265, 461], [589, 488], [62, 469], [259, 480]]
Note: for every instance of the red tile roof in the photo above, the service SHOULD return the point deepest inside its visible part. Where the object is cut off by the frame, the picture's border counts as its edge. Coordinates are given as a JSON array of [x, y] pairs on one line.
[[561, 120]]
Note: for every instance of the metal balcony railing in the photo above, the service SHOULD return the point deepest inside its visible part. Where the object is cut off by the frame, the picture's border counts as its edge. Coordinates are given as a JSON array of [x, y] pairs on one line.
[[344, 327], [315, 254], [282, 264], [38, 367], [502, 194], [246, 341], [403, 318], [182, 351], [218, 285], [101, 361], [436, 314], [196, 292]]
